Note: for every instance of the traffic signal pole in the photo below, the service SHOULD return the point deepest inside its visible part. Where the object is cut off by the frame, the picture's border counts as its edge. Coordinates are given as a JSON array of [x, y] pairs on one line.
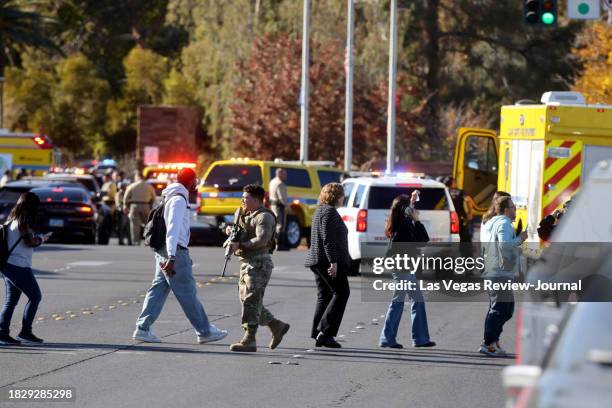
[[348, 116], [305, 83], [392, 89]]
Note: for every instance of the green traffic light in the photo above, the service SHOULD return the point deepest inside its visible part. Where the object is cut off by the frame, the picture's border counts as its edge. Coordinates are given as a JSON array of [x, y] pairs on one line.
[[548, 18]]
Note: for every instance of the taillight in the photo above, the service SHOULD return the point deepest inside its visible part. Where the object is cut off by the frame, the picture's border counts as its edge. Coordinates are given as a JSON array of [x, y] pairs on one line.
[[362, 221], [85, 209], [454, 220]]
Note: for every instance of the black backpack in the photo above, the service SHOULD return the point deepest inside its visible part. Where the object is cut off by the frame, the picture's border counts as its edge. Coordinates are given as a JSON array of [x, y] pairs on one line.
[[5, 252], [155, 228]]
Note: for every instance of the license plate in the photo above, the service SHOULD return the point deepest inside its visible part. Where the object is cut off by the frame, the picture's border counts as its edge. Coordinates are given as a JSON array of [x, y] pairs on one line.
[[54, 222]]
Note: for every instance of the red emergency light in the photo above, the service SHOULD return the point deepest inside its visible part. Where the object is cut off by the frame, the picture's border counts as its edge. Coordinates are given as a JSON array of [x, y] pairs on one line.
[[42, 142]]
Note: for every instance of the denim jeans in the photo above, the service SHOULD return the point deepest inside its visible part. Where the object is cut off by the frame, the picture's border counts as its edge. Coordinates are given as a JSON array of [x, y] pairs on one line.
[[19, 280], [420, 331], [501, 308], [183, 286]]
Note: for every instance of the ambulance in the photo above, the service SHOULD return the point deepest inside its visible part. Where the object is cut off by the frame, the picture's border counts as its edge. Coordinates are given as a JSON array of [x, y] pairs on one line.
[[29, 151], [541, 156]]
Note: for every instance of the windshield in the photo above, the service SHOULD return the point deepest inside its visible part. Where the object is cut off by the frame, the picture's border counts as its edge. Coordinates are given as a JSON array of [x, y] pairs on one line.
[[60, 195], [233, 176], [89, 183], [380, 198], [11, 195]]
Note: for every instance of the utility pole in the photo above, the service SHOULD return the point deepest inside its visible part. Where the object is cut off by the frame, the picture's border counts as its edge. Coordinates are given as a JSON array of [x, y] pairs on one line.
[[348, 116], [392, 89], [305, 83]]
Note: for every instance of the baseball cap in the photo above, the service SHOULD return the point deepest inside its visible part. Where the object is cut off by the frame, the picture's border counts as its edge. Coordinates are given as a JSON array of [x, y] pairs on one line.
[[186, 176]]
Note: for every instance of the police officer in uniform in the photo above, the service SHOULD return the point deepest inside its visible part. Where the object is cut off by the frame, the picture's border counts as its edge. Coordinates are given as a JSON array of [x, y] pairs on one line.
[[122, 220], [137, 202], [278, 204], [255, 244]]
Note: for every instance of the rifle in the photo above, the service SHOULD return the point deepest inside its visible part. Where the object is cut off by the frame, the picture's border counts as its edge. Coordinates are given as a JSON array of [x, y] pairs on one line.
[[233, 237]]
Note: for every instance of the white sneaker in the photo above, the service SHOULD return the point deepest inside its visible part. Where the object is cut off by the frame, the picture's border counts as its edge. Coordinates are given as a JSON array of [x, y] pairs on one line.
[[500, 349], [213, 335], [146, 336], [491, 350]]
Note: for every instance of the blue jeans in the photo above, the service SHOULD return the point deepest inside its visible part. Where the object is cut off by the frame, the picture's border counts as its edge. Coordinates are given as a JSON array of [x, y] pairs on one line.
[[420, 331], [19, 280], [183, 286], [501, 308]]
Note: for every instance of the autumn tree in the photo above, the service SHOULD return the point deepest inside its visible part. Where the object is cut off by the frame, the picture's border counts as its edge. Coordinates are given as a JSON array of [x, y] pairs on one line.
[[266, 113], [595, 52]]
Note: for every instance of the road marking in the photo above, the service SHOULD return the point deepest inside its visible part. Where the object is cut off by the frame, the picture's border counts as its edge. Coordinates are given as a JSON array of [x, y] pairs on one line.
[[88, 263]]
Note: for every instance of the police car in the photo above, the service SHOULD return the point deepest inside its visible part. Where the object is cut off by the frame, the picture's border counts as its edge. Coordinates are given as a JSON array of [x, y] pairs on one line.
[[367, 204]]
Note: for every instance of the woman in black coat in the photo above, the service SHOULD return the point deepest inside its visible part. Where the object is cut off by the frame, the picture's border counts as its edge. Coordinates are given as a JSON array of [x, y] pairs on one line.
[[329, 259]]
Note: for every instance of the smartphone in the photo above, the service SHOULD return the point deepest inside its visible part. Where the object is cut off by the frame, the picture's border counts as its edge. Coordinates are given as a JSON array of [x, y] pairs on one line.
[[418, 193], [47, 235]]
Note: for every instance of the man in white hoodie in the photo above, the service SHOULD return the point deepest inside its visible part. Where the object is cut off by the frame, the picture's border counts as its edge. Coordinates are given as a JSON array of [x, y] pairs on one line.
[[173, 268], [502, 254]]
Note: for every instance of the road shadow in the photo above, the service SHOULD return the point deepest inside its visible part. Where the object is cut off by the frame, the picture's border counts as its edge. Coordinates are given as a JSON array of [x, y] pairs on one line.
[[61, 247], [350, 355]]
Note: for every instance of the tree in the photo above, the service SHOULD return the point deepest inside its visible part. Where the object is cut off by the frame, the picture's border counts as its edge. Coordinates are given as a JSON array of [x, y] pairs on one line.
[[265, 117], [145, 73], [21, 28], [595, 52], [64, 99]]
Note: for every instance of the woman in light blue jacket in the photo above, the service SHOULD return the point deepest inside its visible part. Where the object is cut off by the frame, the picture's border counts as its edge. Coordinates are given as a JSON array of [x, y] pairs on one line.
[[501, 247]]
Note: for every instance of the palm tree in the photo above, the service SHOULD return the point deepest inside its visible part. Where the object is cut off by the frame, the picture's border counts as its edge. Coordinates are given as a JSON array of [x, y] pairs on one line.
[[20, 28]]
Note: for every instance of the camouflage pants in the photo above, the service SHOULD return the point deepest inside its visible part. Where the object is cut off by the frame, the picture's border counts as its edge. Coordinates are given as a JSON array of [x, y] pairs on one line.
[[254, 277]]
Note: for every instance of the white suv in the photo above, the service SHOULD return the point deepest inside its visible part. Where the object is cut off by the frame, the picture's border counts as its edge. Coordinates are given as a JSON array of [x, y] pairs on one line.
[[368, 202]]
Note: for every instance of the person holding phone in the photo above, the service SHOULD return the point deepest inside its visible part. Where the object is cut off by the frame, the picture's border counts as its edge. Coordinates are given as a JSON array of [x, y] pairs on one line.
[[17, 272], [403, 226]]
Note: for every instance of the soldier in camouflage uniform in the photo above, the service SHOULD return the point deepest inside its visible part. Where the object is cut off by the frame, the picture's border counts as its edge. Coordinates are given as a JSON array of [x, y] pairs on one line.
[[256, 243]]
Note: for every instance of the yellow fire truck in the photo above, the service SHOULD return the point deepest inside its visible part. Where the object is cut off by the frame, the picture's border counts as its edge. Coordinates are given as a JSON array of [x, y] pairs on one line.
[[28, 151], [542, 155]]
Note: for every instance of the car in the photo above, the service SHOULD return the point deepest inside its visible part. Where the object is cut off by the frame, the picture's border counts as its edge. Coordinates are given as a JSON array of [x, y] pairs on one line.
[[87, 180], [9, 194], [576, 370], [90, 182], [220, 192], [68, 212], [367, 203]]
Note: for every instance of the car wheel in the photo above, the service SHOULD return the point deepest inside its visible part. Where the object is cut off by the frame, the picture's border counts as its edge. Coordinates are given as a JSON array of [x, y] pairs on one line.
[[90, 238], [293, 232]]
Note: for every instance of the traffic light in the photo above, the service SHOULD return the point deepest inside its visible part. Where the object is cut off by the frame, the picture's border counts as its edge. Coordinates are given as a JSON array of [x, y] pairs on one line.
[[549, 13], [531, 11], [540, 12]]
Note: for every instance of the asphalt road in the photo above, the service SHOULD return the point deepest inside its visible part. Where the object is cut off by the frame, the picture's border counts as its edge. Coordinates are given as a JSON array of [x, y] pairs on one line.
[[92, 296]]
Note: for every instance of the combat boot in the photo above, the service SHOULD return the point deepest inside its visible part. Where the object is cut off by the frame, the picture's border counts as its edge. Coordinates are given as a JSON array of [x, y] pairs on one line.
[[247, 344], [278, 329]]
